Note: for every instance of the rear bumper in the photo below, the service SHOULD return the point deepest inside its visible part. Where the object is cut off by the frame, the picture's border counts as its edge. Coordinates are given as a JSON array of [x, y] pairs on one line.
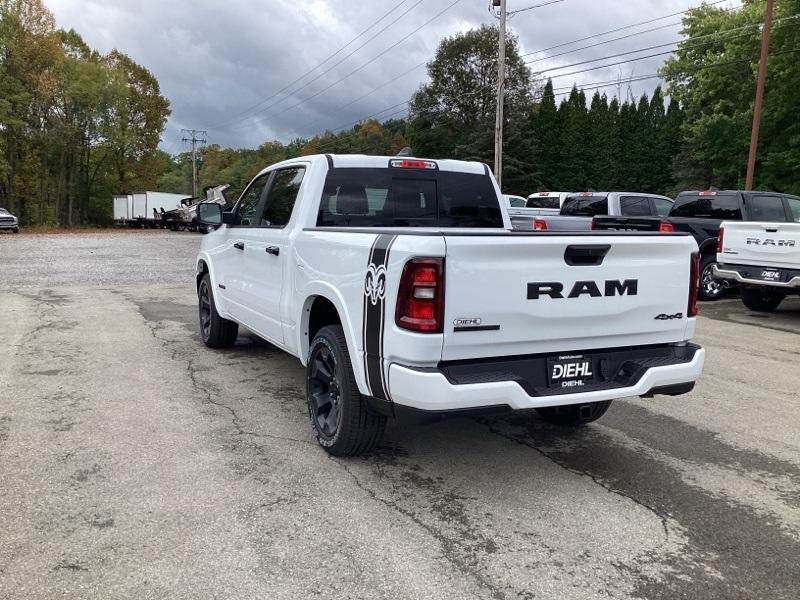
[[746, 274], [432, 390]]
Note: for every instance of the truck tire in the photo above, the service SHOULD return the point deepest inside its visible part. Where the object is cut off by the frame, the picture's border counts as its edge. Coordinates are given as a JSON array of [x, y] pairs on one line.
[[340, 419], [710, 288], [215, 331], [574, 414], [761, 300]]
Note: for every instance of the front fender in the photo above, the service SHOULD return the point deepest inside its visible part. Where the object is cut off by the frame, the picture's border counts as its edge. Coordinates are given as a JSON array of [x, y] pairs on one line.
[[203, 258]]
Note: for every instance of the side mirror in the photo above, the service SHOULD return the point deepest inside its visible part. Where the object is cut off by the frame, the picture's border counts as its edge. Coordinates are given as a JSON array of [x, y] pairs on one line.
[[209, 213]]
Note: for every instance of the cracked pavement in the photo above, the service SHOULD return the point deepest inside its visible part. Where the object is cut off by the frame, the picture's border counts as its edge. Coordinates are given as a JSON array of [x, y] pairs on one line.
[[136, 463]]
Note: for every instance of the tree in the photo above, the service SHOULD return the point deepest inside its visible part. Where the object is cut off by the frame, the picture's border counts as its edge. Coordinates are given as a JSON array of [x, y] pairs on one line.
[[714, 82], [75, 127], [453, 115], [546, 131]]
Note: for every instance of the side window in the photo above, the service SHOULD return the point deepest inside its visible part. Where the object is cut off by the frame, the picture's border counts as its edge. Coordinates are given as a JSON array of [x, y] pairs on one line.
[[794, 209], [634, 206], [767, 208], [663, 206], [248, 203], [281, 197]]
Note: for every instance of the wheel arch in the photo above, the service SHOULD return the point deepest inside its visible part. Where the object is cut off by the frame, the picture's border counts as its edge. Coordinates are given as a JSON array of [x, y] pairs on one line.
[[708, 246], [323, 306], [204, 266]]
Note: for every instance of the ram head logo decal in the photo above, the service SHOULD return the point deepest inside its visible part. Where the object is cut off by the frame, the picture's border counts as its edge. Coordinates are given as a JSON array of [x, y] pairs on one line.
[[375, 283]]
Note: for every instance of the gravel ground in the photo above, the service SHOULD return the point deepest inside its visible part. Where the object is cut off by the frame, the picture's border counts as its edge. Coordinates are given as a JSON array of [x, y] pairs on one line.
[[136, 463]]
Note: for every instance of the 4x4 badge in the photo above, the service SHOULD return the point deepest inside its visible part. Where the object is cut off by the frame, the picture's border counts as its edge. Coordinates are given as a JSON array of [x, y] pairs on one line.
[[664, 317]]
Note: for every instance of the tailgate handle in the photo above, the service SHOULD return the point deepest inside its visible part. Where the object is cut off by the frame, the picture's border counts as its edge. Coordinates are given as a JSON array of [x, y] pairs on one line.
[[585, 255], [771, 229]]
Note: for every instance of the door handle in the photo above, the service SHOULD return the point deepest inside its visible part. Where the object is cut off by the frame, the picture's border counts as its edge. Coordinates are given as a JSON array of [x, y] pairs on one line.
[[239, 245], [274, 250]]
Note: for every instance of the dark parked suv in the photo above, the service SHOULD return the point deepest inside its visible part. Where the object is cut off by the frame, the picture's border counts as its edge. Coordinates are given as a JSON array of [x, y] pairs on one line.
[[701, 213], [8, 221]]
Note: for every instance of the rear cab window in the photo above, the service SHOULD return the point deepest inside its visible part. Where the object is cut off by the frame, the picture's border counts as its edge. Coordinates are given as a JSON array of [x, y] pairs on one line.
[[393, 197], [542, 202], [709, 205], [635, 206], [585, 205], [765, 207]]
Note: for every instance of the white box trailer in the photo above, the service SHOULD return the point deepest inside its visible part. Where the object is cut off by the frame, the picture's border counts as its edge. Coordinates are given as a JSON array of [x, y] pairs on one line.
[[121, 208], [163, 201], [139, 206]]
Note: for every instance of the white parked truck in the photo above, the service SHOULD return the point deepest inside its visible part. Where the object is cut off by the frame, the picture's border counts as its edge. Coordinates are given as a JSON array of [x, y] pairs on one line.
[[763, 258], [536, 205], [401, 287]]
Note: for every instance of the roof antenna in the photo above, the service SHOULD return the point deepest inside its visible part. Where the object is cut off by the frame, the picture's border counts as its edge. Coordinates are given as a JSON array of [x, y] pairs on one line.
[[405, 152]]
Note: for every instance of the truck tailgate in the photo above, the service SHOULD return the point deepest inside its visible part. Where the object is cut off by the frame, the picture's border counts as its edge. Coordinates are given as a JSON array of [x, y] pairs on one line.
[[535, 293], [626, 223], [761, 244]]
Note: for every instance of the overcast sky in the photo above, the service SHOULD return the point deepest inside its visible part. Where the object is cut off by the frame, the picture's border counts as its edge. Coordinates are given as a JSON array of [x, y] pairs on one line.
[[216, 60]]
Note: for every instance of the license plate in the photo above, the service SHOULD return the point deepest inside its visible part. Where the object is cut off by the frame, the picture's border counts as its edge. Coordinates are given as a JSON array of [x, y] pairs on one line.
[[771, 275], [570, 371]]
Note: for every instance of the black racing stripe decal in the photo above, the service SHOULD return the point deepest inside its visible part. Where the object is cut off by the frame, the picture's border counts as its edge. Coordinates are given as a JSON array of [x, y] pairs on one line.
[[374, 315]]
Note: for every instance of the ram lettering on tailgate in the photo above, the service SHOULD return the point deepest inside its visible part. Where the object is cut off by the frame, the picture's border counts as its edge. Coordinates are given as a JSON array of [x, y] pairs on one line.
[[611, 287]]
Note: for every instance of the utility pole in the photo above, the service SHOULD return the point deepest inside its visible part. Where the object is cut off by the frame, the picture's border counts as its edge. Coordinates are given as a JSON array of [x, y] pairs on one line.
[[501, 77], [762, 74], [194, 136]]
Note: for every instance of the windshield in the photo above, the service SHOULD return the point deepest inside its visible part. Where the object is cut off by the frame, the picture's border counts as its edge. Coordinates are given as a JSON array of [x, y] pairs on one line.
[[387, 197], [585, 206], [542, 202]]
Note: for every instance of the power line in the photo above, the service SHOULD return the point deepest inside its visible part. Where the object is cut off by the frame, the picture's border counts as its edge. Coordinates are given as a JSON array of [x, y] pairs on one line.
[[675, 43], [624, 37], [715, 35], [372, 91], [621, 62], [348, 136], [714, 65], [286, 87], [519, 10], [623, 28], [356, 70]]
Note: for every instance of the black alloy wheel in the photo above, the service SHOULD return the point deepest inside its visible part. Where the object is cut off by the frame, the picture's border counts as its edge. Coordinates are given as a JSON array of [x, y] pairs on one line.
[[204, 305], [324, 395]]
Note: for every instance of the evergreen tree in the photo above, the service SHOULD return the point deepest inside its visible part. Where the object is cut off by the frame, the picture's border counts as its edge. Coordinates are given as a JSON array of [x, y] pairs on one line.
[[546, 132]]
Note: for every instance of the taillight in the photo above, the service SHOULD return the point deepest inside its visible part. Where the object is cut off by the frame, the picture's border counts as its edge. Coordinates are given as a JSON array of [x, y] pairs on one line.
[[666, 227], [420, 299], [694, 284], [720, 238], [539, 224]]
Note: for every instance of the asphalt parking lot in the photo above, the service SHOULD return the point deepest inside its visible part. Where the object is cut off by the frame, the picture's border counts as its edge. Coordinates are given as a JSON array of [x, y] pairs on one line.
[[136, 463]]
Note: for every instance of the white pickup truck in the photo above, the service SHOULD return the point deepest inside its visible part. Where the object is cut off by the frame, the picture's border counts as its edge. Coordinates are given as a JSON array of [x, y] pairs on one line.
[[399, 285], [764, 258], [525, 216]]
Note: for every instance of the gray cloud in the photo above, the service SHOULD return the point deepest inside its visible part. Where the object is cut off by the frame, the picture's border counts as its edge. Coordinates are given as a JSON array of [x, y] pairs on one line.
[[216, 59]]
